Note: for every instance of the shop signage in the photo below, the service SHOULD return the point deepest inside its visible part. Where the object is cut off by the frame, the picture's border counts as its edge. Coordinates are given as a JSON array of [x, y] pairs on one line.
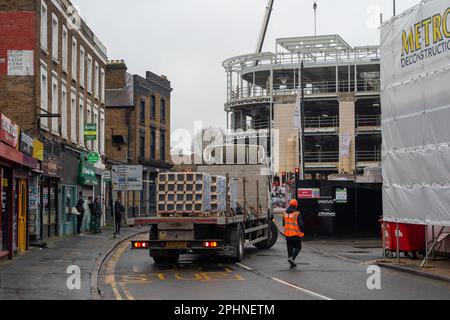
[[38, 150], [50, 167], [127, 178], [106, 176], [90, 132], [26, 144], [341, 195], [87, 175], [9, 132], [93, 157], [309, 193]]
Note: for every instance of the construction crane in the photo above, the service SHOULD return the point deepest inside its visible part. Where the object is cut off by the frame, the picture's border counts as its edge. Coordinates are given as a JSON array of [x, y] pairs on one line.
[[265, 25]]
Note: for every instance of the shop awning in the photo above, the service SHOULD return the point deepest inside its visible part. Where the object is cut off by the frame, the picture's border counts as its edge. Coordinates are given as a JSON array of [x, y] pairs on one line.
[[12, 155]]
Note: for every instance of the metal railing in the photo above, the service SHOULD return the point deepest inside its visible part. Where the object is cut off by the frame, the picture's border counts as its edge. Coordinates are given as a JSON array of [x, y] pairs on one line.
[[322, 156], [311, 88], [368, 121], [252, 125], [368, 156], [322, 122]]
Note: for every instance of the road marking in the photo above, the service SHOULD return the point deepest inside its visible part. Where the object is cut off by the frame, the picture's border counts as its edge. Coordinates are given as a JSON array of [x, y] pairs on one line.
[[243, 266], [302, 289], [308, 292], [110, 270]]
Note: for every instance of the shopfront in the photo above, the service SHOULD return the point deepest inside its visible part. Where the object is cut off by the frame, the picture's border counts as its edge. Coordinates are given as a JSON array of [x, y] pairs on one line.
[[88, 181], [15, 170], [69, 193], [49, 188]]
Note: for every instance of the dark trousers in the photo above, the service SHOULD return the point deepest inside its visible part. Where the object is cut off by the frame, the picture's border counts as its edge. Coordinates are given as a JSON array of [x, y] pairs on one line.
[[294, 246], [79, 222], [118, 222]]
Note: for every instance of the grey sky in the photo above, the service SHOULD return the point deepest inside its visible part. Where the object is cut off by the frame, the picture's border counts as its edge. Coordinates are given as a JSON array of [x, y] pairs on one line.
[[187, 40]]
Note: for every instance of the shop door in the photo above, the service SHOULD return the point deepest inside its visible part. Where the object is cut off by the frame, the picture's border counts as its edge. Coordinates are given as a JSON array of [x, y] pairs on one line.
[[22, 215], [50, 217]]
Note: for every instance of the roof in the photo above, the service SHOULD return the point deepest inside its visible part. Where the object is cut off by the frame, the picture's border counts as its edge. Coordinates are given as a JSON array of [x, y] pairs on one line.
[[314, 44], [121, 97]]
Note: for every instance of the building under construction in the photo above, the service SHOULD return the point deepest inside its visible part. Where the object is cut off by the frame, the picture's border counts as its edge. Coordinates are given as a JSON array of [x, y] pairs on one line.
[[342, 112]]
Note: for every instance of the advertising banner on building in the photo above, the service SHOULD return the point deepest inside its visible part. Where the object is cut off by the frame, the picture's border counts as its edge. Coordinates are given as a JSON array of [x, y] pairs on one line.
[[415, 73]]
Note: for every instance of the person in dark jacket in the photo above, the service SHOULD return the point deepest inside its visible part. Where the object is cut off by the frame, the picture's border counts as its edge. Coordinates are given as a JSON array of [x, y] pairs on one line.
[[97, 214], [118, 212], [293, 231], [81, 211]]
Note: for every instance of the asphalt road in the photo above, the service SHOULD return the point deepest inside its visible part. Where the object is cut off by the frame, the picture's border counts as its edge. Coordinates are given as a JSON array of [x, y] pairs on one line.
[[327, 270]]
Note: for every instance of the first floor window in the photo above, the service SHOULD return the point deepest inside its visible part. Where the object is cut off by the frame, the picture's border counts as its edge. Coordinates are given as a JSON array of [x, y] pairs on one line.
[[73, 117], [55, 105], [64, 111], [163, 145], [81, 123]]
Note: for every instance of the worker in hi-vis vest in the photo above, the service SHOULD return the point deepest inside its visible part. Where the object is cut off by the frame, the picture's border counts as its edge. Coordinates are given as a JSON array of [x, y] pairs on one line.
[[293, 231]]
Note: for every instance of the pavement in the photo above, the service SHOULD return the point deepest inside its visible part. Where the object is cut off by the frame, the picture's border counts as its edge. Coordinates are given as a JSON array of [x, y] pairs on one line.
[[40, 274], [438, 269]]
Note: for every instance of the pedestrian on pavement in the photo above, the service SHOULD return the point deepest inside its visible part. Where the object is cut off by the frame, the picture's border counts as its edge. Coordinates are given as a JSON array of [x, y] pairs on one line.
[[293, 231], [97, 214], [118, 212], [81, 211]]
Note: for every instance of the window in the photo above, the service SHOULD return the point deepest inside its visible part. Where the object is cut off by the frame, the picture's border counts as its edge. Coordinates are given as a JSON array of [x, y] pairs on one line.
[[163, 110], [163, 145], [55, 37], [142, 112], [153, 107], [142, 145], [44, 96], [65, 43], [152, 144], [44, 18], [81, 116], [95, 120], [82, 66], [103, 89], [73, 116], [74, 58], [96, 81], [101, 137], [55, 104], [89, 74], [64, 111]]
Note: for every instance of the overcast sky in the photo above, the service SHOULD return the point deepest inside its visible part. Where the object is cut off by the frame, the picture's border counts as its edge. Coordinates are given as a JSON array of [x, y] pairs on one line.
[[187, 40]]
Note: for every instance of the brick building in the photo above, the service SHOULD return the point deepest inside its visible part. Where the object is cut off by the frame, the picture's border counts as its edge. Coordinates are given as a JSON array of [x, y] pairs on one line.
[[138, 127], [52, 83]]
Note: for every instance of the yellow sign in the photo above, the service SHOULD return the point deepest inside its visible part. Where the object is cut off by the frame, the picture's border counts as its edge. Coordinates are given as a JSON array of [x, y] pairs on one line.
[[38, 150]]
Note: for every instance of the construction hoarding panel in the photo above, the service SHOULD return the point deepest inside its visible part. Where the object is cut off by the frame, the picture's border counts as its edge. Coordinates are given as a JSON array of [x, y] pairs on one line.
[[415, 72]]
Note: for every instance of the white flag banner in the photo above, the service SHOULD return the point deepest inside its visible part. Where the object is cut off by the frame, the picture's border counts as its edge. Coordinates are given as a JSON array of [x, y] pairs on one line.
[[297, 112]]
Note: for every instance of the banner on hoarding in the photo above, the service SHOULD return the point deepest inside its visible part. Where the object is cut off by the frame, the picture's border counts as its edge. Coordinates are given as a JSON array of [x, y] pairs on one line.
[[415, 73]]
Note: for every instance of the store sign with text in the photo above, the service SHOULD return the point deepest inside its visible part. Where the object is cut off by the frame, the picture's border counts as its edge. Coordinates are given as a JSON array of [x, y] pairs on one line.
[[26, 144], [9, 132]]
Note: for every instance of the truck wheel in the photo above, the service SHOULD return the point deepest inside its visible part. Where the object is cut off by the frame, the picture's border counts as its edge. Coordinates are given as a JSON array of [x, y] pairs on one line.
[[273, 238], [240, 246]]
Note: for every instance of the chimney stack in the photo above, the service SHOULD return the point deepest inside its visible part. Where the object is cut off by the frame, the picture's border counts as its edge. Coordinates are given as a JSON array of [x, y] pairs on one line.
[[116, 74]]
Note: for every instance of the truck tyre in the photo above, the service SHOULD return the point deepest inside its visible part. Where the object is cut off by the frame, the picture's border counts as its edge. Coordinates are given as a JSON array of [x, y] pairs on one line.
[[240, 245], [273, 238]]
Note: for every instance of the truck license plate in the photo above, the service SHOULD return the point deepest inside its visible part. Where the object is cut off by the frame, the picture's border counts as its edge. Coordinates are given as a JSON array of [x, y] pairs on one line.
[[176, 245]]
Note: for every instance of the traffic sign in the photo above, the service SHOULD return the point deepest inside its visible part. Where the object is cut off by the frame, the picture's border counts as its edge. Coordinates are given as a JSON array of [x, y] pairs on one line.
[[127, 178]]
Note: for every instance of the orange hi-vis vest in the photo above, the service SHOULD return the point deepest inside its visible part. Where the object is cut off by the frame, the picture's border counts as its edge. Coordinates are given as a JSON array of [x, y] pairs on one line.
[[291, 227]]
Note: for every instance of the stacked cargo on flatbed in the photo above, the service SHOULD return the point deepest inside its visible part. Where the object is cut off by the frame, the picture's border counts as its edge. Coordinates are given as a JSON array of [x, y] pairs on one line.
[[191, 194]]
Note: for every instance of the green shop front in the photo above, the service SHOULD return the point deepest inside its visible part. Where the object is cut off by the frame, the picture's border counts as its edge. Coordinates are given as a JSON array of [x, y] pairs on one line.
[[88, 182]]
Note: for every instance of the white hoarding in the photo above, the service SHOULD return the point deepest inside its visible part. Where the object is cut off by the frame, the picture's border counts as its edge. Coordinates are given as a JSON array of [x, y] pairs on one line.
[[415, 72], [127, 178]]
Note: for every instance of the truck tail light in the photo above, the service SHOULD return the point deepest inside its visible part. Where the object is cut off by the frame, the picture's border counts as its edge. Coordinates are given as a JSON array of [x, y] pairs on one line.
[[210, 244], [139, 245]]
